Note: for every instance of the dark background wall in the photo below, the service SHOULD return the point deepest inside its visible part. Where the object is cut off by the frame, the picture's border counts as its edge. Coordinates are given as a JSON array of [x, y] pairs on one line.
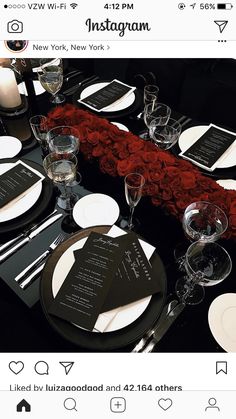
[[204, 89]]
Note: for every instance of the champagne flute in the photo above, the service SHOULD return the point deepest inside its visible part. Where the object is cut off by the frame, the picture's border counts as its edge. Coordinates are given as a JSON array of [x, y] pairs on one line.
[[61, 169], [150, 94], [134, 183], [39, 128], [52, 82]]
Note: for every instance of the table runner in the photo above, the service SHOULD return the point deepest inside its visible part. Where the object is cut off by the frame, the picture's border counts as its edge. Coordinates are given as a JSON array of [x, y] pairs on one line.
[[171, 182]]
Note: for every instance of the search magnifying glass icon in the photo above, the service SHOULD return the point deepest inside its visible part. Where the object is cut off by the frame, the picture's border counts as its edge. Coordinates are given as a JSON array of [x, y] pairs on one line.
[[70, 404]]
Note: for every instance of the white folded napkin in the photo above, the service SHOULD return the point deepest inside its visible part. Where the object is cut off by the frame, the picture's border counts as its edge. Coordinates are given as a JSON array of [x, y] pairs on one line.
[[104, 319]]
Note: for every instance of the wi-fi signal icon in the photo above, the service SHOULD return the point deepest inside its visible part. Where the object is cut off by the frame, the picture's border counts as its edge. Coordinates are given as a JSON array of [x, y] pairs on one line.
[[73, 5]]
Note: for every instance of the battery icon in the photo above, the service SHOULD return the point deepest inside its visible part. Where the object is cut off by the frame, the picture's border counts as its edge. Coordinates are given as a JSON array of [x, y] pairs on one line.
[[224, 6]]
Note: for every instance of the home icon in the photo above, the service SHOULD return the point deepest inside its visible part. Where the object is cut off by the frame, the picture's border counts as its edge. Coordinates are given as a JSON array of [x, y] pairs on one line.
[[23, 406]]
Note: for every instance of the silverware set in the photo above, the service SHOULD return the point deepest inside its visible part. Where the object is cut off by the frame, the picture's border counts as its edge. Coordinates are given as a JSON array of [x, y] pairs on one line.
[[31, 272], [74, 88], [169, 314]]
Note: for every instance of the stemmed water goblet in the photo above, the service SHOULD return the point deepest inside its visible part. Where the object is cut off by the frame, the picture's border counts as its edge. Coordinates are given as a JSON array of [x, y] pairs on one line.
[[39, 128], [134, 183], [158, 112], [61, 169], [52, 81], [165, 136], [206, 264], [202, 221], [65, 139]]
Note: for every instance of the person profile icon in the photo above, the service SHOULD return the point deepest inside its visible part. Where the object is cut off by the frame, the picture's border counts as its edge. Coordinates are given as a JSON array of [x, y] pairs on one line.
[[16, 45], [212, 405]]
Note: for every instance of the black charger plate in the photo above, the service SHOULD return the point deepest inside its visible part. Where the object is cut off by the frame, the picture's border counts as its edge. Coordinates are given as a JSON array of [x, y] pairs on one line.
[[101, 341], [41, 206], [136, 105]]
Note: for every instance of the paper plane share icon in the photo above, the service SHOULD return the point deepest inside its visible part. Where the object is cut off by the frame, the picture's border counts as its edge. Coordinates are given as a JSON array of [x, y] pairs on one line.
[[67, 366], [221, 24]]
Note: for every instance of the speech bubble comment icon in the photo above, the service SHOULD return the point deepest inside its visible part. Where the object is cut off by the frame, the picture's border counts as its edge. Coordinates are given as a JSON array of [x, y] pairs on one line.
[[70, 404], [41, 368]]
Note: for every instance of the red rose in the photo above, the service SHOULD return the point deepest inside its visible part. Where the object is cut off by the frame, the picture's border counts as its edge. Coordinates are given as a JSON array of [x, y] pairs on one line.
[[151, 189], [166, 157], [187, 180], [149, 156], [98, 151], [94, 138], [232, 222], [124, 167], [134, 144], [233, 207], [108, 164]]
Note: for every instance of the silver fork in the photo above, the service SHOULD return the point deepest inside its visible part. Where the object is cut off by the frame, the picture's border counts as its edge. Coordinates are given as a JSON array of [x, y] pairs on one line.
[[24, 275]]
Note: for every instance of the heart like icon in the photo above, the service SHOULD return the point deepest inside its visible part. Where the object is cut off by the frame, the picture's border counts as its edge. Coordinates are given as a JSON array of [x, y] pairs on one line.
[[16, 367], [165, 404]]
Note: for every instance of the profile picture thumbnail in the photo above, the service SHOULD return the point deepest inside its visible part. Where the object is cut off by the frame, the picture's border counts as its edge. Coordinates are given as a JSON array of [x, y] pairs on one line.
[[16, 46]]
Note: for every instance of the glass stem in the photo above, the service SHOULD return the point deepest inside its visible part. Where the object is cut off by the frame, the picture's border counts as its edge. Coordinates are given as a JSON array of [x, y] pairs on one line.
[[130, 223]]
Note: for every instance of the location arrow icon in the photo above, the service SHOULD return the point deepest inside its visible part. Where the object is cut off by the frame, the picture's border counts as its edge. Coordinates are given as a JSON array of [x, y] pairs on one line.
[[221, 24], [67, 366]]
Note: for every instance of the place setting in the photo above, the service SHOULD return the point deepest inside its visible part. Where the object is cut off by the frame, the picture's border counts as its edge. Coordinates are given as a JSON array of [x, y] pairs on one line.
[[110, 99]]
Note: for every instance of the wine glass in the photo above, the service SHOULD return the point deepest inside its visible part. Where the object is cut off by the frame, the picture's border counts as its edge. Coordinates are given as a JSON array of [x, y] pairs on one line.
[[39, 128], [155, 111], [48, 64], [52, 82], [61, 169], [65, 139], [164, 136], [134, 183], [202, 221], [150, 94], [206, 264]]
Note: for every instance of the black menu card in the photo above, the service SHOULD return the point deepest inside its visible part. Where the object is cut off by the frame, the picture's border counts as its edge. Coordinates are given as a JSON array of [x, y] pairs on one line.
[[134, 278], [85, 288], [207, 150], [107, 273], [107, 95], [16, 181]]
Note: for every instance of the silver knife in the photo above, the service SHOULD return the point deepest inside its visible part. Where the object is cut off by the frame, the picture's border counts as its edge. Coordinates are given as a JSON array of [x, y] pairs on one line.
[[28, 281], [161, 329], [29, 237], [71, 76], [77, 86], [26, 233], [165, 312]]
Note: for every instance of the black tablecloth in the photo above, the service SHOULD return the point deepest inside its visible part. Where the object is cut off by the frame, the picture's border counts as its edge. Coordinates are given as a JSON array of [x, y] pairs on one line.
[[25, 329]]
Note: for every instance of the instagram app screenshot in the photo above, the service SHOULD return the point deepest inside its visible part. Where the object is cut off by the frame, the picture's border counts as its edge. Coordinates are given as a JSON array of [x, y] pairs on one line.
[[117, 209]]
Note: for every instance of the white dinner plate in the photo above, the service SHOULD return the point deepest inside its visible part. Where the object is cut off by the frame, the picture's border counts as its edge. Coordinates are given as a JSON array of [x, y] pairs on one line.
[[228, 184], [23, 204], [37, 87], [96, 209], [222, 321], [9, 147], [119, 106], [191, 135], [125, 315], [120, 126]]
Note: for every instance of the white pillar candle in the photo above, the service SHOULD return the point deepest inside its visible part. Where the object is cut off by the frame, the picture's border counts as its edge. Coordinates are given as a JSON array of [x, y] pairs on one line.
[[9, 93]]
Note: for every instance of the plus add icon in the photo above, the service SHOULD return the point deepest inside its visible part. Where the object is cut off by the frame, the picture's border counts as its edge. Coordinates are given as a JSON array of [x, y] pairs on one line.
[[118, 404]]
